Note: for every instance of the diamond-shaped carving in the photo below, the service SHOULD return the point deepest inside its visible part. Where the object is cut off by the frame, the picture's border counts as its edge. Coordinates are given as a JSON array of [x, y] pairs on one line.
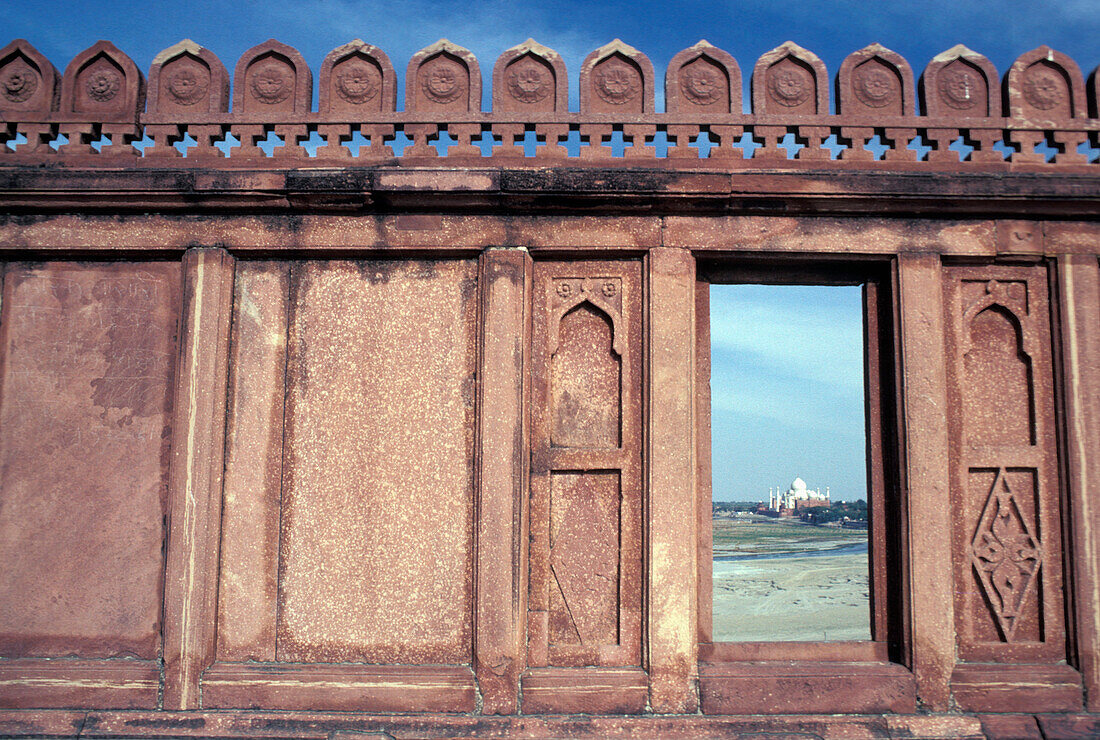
[[1006, 556]]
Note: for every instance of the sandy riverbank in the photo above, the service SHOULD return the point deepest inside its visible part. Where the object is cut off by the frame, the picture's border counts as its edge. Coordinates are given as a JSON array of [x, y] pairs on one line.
[[790, 597]]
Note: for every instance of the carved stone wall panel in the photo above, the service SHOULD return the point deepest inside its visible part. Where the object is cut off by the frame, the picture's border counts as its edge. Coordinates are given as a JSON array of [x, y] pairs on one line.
[[875, 81], [357, 78], [584, 558], [703, 79], [790, 80], [616, 79], [89, 352], [586, 506], [1045, 85], [443, 77], [585, 380], [187, 80], [102, 84], [29, 84], [376, 547], [960, 83], [530, 77], [248, 579], [1005, 493], [272, 78]]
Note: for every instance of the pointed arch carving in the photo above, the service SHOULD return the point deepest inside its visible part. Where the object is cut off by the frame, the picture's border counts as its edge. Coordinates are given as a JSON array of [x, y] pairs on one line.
[[1045, 85], [998, 354], [188, 79], [28, 82], [104, 84], [959, 83], [530, 77], [443, 77], [790, 80], [703, 78], [603, 294], [616, 78], [875, 81], [357, 77], [272, 78]]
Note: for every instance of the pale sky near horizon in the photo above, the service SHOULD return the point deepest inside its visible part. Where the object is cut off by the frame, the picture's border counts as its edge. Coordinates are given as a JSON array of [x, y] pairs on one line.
[[760, 405]]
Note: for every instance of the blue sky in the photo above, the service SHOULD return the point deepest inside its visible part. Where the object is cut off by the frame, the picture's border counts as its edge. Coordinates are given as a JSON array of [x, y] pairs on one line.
[[830, 28], [786, 390], [770, 385]]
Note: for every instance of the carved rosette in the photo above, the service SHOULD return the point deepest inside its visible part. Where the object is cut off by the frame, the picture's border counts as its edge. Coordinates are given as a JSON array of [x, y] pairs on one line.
[[186, 79], [443, 80], [960, 87], [875, 81], [789, 84], [103, 84], [528, 80], [272, 77], [701, 83], [356, 77], [443, 77], [20, 81], [1006, 556], [874, 85], [790, 80], [1045, 85], [616, 81], [959, 82], [187, 82]]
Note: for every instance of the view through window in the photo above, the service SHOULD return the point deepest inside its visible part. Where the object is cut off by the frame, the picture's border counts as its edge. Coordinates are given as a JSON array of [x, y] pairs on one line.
[[789, 464]]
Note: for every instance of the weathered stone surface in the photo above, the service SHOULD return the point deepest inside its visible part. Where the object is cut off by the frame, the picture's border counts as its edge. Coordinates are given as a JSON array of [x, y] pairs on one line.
[[376, 550], [88, 361], [254, 464]]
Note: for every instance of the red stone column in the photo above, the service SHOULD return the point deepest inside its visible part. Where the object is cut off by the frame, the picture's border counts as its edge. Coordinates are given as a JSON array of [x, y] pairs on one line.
[[1079, 295], [924, 384], [672, 569], [195, 477], [502, 488]]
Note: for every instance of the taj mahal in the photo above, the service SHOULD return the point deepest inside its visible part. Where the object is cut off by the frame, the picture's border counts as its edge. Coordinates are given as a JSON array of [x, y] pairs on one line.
[[798, 496]]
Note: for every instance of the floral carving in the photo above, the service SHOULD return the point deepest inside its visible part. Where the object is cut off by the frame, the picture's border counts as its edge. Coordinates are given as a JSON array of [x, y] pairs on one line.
[[874, 86], [270, 83], [700, 84], [616, 82], [356, 82], [959, 88], [1043, 87], [528, 81], [789, 84], [103, 85], [1006, 556], [443, 82], [610, 289], [564, 289], [188, 86], [20, 82]]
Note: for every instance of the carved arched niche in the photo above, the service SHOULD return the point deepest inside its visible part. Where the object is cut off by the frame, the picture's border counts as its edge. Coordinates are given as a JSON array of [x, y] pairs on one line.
[[790, 80], [28, 82], [530, 77], [102, 84], [959, 83], [998, 389], [357, 78], [188, 80], [1045, 85], [272, 78], [875, 81], [586, 363], [444, 78], [617, 78], [704, 79]]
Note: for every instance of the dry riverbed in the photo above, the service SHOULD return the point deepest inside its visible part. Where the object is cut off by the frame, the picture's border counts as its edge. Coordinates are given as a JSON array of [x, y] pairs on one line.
[[777, 581]]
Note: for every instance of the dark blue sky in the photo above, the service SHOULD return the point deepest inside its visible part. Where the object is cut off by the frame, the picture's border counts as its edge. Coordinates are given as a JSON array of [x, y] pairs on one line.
[[831, 29]]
